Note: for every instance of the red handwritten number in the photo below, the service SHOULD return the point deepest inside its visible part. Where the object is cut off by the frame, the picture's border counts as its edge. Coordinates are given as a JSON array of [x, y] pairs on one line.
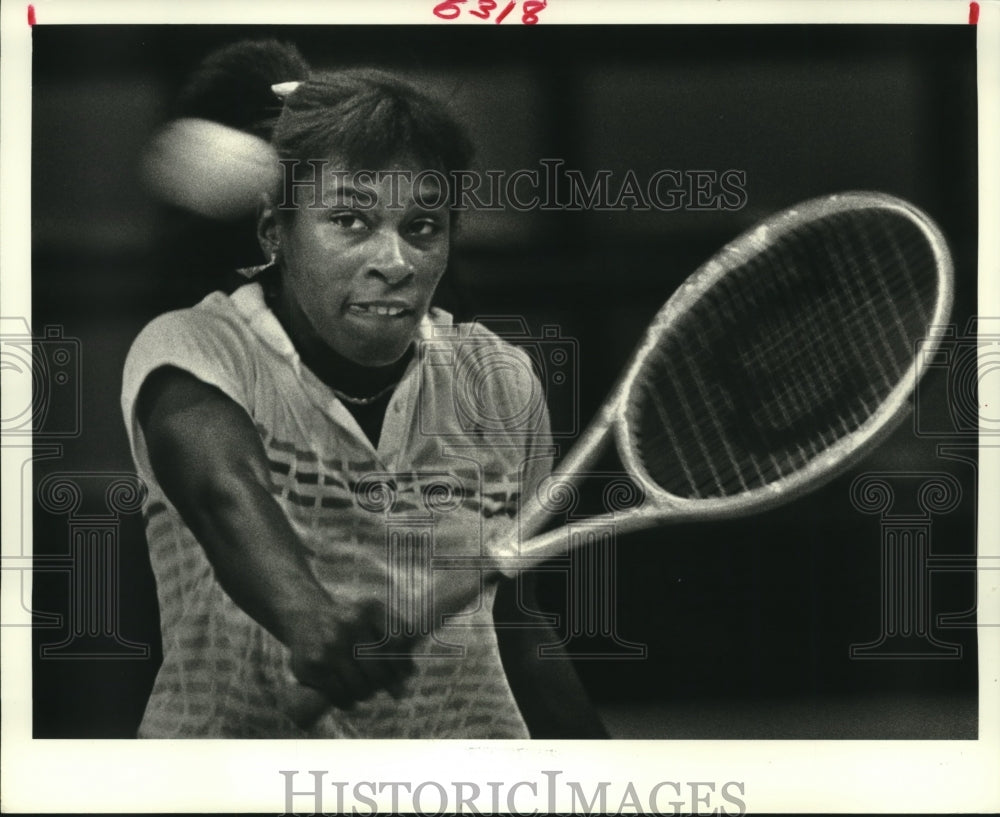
[[485, 7], [449, 9], [531, 11], [509, 8]]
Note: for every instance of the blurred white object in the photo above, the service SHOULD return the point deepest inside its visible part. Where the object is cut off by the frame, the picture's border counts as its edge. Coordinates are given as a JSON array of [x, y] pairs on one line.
[[209, 168]]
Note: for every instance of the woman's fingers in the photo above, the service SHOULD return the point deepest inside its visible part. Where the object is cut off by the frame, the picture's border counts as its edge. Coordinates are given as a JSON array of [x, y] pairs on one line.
[[330, 657], [391, 673], [304, 705]]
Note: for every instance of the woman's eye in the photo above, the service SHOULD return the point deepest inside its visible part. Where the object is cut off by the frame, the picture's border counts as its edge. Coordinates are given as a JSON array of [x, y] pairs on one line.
[[425, 227], [347, 221]]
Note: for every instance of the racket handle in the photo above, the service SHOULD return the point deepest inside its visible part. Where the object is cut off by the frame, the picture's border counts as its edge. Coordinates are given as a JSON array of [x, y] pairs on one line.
[[304, 705]]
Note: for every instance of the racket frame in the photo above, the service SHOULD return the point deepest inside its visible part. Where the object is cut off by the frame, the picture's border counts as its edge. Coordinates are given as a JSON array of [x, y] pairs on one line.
[[660, 507]]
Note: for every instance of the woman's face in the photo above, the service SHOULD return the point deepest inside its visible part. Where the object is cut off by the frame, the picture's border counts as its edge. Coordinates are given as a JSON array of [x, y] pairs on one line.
[[359, 272]]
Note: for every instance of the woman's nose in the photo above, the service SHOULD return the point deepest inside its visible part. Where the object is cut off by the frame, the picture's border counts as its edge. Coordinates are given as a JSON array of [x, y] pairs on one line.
[[390, 262]]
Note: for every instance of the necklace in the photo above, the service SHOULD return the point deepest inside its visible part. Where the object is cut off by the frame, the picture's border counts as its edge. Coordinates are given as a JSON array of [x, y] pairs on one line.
[[363, 401], [345, 369]]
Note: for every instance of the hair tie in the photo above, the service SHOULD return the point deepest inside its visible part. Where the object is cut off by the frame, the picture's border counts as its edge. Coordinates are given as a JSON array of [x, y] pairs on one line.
[[283, 89]]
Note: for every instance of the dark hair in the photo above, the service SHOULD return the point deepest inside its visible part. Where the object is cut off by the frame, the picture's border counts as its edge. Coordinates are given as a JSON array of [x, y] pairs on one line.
[[232, 85], [366, 116], [369, 117]]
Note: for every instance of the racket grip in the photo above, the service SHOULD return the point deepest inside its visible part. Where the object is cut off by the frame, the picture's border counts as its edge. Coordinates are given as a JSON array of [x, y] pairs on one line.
[[304, 705]]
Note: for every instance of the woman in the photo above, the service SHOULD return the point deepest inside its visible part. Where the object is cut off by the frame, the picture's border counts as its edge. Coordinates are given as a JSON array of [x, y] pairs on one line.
[[306, 457]]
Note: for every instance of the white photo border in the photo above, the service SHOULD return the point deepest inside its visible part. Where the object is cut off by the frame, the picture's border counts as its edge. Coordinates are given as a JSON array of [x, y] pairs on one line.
[[240, 776]]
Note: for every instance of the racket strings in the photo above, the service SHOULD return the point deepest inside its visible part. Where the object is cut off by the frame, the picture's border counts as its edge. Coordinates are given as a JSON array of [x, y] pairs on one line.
[[839, 310], [796, 392], [825, 378], [847, 306], [787, 353], [782, 289], [779, 345]]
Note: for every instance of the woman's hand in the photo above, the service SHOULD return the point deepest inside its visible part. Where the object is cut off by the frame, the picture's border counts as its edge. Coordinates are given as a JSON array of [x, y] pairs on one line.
[[325, 658], [327, 671]]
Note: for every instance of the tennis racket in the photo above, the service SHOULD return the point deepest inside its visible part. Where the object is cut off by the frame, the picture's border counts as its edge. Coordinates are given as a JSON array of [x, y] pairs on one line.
[[776, 365]]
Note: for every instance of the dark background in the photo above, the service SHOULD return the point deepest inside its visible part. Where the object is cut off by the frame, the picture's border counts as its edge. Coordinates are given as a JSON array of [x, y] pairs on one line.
[[748, 624]]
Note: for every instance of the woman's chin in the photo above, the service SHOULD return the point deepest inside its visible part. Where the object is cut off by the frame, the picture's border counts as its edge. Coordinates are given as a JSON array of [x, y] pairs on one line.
[[377, 340], [376, 354]]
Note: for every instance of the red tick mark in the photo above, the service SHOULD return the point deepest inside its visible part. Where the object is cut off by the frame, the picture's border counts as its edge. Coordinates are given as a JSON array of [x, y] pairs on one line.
[[505, 12], [31, 15], [973, 13]]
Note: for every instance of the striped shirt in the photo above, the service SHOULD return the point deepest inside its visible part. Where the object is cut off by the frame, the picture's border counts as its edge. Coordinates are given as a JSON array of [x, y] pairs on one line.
[[465, 435]]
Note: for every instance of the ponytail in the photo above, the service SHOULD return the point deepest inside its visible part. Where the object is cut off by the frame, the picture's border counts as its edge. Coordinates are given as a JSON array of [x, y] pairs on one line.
[[364, 115], [232, 86]]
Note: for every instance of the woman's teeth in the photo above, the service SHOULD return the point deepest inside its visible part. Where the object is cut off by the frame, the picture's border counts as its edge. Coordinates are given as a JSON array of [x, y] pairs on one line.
[[374, 309]]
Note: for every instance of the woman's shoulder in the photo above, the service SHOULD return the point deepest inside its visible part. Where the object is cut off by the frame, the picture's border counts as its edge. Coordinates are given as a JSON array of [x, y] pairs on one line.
[[215, 309], [506, 332], [211, 333], [492, 355], [216, 319], [210, 340]]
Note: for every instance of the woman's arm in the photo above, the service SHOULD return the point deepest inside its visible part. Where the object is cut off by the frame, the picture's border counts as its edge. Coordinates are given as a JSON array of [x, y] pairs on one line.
[[209, 460], [548, 691]]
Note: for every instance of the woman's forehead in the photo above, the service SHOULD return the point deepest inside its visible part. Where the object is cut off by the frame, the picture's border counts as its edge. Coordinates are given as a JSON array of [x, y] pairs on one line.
[[397, 183], [404, 163]]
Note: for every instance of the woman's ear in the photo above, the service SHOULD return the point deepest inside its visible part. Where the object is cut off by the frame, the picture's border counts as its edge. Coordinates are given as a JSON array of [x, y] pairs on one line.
[[268, 226]]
